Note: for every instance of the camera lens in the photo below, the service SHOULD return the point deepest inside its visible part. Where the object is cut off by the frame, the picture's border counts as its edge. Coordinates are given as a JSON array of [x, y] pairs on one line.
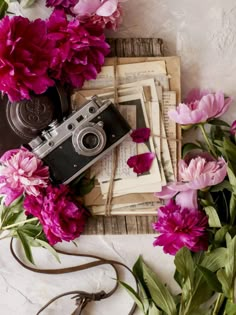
[[92, 110], [90, 141]]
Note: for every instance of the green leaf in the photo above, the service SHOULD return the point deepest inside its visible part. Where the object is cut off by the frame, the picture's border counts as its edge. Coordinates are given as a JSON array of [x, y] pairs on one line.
[[213, 218], [215, 259], [229, 153], [49, 248], [184, 264], [27, 3], [133, 295], [220, 187], [222, 277], [230, 308], [77, 180], [227, 275], [187, 147], [218, 122], [30, 229], [216, 133], [138, 272], [232, 208], [84, 185], [232, 177], [3, 8], [25, 243], [210, 278], [153, 310], [220, 234], [159, 293]]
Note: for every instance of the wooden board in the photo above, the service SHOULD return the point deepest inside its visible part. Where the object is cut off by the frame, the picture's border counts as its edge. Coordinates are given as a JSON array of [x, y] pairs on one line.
[[137, 224]]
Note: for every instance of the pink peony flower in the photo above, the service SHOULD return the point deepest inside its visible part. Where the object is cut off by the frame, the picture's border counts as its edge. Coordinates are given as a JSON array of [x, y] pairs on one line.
[[61, 3], [140, 135], [79, 53], [141, 163], [233, 128], [62, 218], [21, 172], [25, 55], [200, 106], [187, 199], [181, 227], [102, 13], [196, 173]]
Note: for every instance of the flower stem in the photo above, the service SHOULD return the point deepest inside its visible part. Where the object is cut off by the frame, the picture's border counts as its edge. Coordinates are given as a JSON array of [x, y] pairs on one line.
[[218, 304], [209, 144], [19, 223]]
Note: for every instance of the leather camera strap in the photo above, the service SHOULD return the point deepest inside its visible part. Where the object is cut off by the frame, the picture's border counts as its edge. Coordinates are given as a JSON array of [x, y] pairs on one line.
[[82, 298]]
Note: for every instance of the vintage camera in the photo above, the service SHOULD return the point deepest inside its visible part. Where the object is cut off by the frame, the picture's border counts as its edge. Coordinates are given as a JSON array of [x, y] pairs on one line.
[[84, 137]]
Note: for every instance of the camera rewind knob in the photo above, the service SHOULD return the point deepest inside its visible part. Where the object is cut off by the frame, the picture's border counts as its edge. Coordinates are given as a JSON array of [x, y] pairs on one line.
[[97, 100]]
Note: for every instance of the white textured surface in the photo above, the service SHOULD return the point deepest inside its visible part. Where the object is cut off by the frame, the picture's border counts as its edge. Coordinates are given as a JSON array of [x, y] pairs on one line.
[[203, 34]]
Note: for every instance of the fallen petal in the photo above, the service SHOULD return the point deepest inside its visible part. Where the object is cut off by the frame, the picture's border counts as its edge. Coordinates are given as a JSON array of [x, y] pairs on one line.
[[141, 163], [140, 135]]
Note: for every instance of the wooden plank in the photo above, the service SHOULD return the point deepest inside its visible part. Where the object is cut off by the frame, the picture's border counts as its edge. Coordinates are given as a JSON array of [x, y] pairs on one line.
[[135, 47], [107, 225], [131, 224], [121, 222]]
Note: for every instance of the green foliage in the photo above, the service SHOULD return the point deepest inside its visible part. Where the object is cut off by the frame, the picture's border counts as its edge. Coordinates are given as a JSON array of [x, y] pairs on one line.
[[188, 147], [154, 298], [206, 279], [27, 3], [3, 8]]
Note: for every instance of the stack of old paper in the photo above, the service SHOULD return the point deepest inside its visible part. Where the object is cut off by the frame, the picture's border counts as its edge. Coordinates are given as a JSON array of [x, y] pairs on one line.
[[144, 98]]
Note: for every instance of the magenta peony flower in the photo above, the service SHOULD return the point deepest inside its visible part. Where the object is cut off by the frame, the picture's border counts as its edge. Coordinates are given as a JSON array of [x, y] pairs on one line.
[[200, 106], [61, 3], [25, 55], [196, 173], [181, 227], [233, 128], [141, 163], [140, 135], [102, 13], [21, 172], [79, 53], [61, 217]]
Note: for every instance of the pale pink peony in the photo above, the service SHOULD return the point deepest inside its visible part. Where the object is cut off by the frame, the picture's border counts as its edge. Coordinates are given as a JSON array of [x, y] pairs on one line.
[[104, 13], [62, 217], [181, 227], [21, 172], [25, 55], [199, 107], [195, 173], [79, 53]]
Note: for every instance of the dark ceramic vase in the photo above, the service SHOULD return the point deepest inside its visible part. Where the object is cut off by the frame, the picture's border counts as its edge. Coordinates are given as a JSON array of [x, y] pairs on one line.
[[21, 121]]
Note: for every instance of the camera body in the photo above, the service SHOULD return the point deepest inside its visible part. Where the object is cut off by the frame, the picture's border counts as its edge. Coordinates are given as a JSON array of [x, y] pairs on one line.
[[84, 137]]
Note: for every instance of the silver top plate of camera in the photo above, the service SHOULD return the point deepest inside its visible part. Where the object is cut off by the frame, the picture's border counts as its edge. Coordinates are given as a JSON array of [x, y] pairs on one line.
[[88, 138]]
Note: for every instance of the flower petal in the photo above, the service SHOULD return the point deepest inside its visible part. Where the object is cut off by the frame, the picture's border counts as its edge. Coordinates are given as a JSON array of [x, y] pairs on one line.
[[107, 8], [140, 135], [141, 163], [187, 199], [84, 7]]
